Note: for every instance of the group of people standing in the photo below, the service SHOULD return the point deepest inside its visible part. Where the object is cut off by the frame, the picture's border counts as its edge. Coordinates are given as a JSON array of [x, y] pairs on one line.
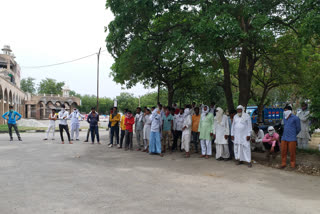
[[162, 129]]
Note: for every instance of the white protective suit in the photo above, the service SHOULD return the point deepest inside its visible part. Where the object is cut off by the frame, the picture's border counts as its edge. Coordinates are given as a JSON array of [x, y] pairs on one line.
[[75, 118], [241, 129], [220, 129], [186, 133], [303, 136]]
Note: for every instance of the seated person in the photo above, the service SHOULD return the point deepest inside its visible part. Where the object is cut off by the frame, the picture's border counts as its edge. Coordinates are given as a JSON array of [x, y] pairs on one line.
[[271, 142], [256, 139]]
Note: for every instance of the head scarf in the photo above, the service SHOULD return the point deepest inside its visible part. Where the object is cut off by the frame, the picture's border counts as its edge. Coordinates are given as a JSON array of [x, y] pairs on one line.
[[240, 107], [287, 114], [128, 115], [204, 113], [186, 112], [219, 114], [271, 130]]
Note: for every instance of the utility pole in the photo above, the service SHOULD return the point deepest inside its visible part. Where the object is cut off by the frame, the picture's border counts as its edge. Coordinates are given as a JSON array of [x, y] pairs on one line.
[[98, 80]]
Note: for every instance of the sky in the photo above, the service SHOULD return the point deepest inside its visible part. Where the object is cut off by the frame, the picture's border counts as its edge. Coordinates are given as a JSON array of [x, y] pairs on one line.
[[43, 32]]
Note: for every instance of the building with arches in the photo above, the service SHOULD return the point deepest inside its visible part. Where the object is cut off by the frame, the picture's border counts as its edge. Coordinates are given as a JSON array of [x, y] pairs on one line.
[[29, 106]]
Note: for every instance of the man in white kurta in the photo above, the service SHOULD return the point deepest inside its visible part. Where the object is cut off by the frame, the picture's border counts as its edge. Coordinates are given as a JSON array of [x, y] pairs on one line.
[[303, 136], [75, 123], [221, 134], [240, 134], [186, 132], [256, 138]]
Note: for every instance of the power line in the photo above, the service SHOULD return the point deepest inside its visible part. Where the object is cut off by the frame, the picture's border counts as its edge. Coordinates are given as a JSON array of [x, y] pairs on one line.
[[60, 63]]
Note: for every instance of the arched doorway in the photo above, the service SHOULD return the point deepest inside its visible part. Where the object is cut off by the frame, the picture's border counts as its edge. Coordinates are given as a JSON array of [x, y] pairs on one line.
[[1, 105], [5, 101], [10, 98], [42, 110]]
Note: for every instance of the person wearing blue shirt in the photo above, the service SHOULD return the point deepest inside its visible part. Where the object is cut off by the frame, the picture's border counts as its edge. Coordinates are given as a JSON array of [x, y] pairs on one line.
[[11, 116], [289, 137]]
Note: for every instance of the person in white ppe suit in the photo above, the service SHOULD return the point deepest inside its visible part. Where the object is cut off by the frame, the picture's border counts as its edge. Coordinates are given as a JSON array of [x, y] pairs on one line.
[[221, 134], [240, 134], [303, 136], [75, 118], [186, 131], [52, 124]]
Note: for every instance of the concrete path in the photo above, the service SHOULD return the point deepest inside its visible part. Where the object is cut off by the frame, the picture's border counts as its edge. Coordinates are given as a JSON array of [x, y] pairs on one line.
[[48, 177]]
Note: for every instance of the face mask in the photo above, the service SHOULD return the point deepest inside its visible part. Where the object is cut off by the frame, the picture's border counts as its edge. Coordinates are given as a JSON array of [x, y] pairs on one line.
[[287, 114], [239, 114], [11, 110], [62, 110], [271, 133]]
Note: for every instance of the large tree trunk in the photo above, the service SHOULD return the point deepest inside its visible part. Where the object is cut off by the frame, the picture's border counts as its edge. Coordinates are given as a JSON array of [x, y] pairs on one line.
[[261, 104], [170, 94], [227, 81], [244, 79]]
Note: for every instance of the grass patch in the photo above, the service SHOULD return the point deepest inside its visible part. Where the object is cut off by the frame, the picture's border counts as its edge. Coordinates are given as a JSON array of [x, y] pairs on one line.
[[4, 128], [309, 151]]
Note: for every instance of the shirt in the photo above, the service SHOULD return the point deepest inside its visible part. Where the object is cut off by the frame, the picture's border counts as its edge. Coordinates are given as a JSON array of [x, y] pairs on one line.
[[93, 120], [52, 116], [129, 123], [167, 122], [61, 116], [138, 122], [267, 139], [195, 122], [122, 124], [257, 137], [178, 119], [114, 120], [155, 121], [291, 128], [11, 117]]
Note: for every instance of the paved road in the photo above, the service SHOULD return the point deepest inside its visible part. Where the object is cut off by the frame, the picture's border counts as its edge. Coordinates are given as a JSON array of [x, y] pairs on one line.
[[47, 177]]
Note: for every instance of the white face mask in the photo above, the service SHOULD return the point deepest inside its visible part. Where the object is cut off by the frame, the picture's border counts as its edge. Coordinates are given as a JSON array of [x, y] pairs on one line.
[[239, 114], [63, 110], [287, 114], [271, 133]]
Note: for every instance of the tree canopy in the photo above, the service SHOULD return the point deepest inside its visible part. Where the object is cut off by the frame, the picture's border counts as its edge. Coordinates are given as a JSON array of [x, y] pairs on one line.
[[50, 86], [28, 85]]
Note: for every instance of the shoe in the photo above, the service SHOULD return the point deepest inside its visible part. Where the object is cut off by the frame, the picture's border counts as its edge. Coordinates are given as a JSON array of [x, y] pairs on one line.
[[144, 150], [62, 142], [119, 147], [239, 163], [138, 149], [207, 157], [20, 139], [45, 139], [202, 156], [250, 165], [71, 139], [110, 145], [11, 139], [226, 159], [70, 142], [99, 143], [86, 141], [161, 155], [77, 139], [52, 139]]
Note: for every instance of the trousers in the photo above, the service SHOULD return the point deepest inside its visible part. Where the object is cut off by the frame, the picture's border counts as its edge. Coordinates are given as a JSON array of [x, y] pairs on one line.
[[52, 129], [94, 132], [15, 129], [66, 128], [139, 136], [291, 146], [75, 129], [206, 148]]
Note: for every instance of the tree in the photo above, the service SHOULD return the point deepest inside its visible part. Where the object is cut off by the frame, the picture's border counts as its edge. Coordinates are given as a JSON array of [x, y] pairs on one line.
[[157, 52], [28, 85], [127, 101], [50, 86], [89, 101]]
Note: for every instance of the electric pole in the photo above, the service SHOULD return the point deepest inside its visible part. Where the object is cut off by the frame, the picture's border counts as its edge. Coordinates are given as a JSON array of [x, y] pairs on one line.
[[98, 80]]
